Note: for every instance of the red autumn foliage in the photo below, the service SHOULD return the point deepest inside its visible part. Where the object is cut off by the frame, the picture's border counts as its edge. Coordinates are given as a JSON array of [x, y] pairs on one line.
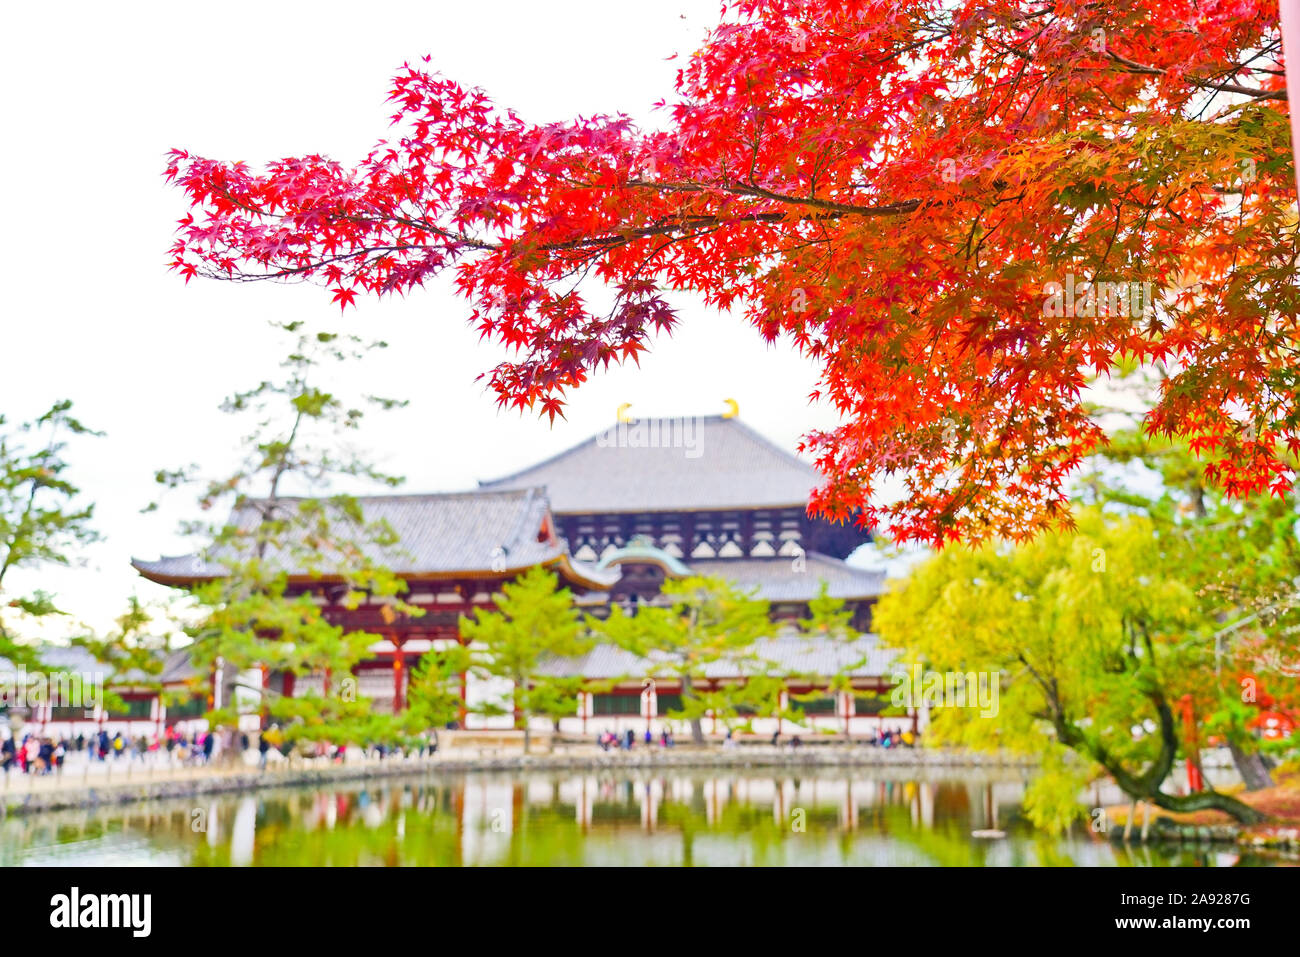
[[891, 186]]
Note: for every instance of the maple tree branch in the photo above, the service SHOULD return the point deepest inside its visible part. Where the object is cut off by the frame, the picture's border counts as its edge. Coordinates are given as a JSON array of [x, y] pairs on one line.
[[757, 192], [1132, 66]]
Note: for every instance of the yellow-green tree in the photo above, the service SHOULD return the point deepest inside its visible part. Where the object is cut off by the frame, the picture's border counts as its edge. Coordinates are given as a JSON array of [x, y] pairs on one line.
[[1092, 638], [1241, 555]]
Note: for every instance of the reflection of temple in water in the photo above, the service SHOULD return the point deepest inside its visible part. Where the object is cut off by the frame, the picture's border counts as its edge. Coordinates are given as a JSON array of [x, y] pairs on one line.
[[783, 817]]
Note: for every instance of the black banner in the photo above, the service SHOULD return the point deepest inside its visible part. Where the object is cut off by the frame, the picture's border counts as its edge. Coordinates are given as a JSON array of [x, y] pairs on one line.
[[160, 906]]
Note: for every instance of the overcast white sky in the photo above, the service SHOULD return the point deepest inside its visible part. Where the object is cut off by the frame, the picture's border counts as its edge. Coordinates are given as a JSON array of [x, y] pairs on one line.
[[94, 94]]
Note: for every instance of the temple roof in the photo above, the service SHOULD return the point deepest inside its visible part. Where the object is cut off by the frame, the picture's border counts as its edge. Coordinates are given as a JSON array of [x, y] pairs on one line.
[[485, 532], [670, 464], [787, 654]]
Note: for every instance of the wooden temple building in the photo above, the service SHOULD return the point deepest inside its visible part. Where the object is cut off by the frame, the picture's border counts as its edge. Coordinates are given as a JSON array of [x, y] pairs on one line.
[[614, 517]]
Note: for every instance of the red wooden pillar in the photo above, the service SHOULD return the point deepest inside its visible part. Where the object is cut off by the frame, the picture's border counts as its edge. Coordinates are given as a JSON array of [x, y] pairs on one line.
[[1195, 780], [464, 679], [398, 703]]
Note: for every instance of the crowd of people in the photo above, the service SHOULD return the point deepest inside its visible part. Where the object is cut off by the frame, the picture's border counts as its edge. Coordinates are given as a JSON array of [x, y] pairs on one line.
[[624, 741], [608, 740], [892, 738], [32, 755], [274, 740], [38, 754]]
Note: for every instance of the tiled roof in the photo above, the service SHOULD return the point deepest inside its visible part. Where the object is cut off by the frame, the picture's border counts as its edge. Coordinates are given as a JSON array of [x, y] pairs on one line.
[[797, 654], [670, 464], [780, 579], [440, 533], [789, 654], [179, 668]]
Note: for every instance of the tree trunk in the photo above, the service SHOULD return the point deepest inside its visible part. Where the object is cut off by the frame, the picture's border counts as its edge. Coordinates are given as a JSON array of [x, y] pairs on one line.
[[1252, 768], [1146, 786], [1209, 801], [521, 716], [697, 725]]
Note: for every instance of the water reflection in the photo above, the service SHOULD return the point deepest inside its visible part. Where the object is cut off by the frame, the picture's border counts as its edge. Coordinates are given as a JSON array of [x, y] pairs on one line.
[[827, 817]]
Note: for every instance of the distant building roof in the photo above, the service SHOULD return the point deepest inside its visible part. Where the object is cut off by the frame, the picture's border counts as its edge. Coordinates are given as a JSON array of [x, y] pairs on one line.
[[58, 658], [177, 667], [439, 535], [670, 464], [789, 654]]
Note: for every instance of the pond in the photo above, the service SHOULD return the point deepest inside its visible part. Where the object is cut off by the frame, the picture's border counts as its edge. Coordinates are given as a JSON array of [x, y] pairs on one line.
[[625, 817]]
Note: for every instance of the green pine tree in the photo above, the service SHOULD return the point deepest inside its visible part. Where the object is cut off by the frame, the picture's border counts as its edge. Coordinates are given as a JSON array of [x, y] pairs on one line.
[[533, 621], [41, 520], [706, 620], [256, 612]]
